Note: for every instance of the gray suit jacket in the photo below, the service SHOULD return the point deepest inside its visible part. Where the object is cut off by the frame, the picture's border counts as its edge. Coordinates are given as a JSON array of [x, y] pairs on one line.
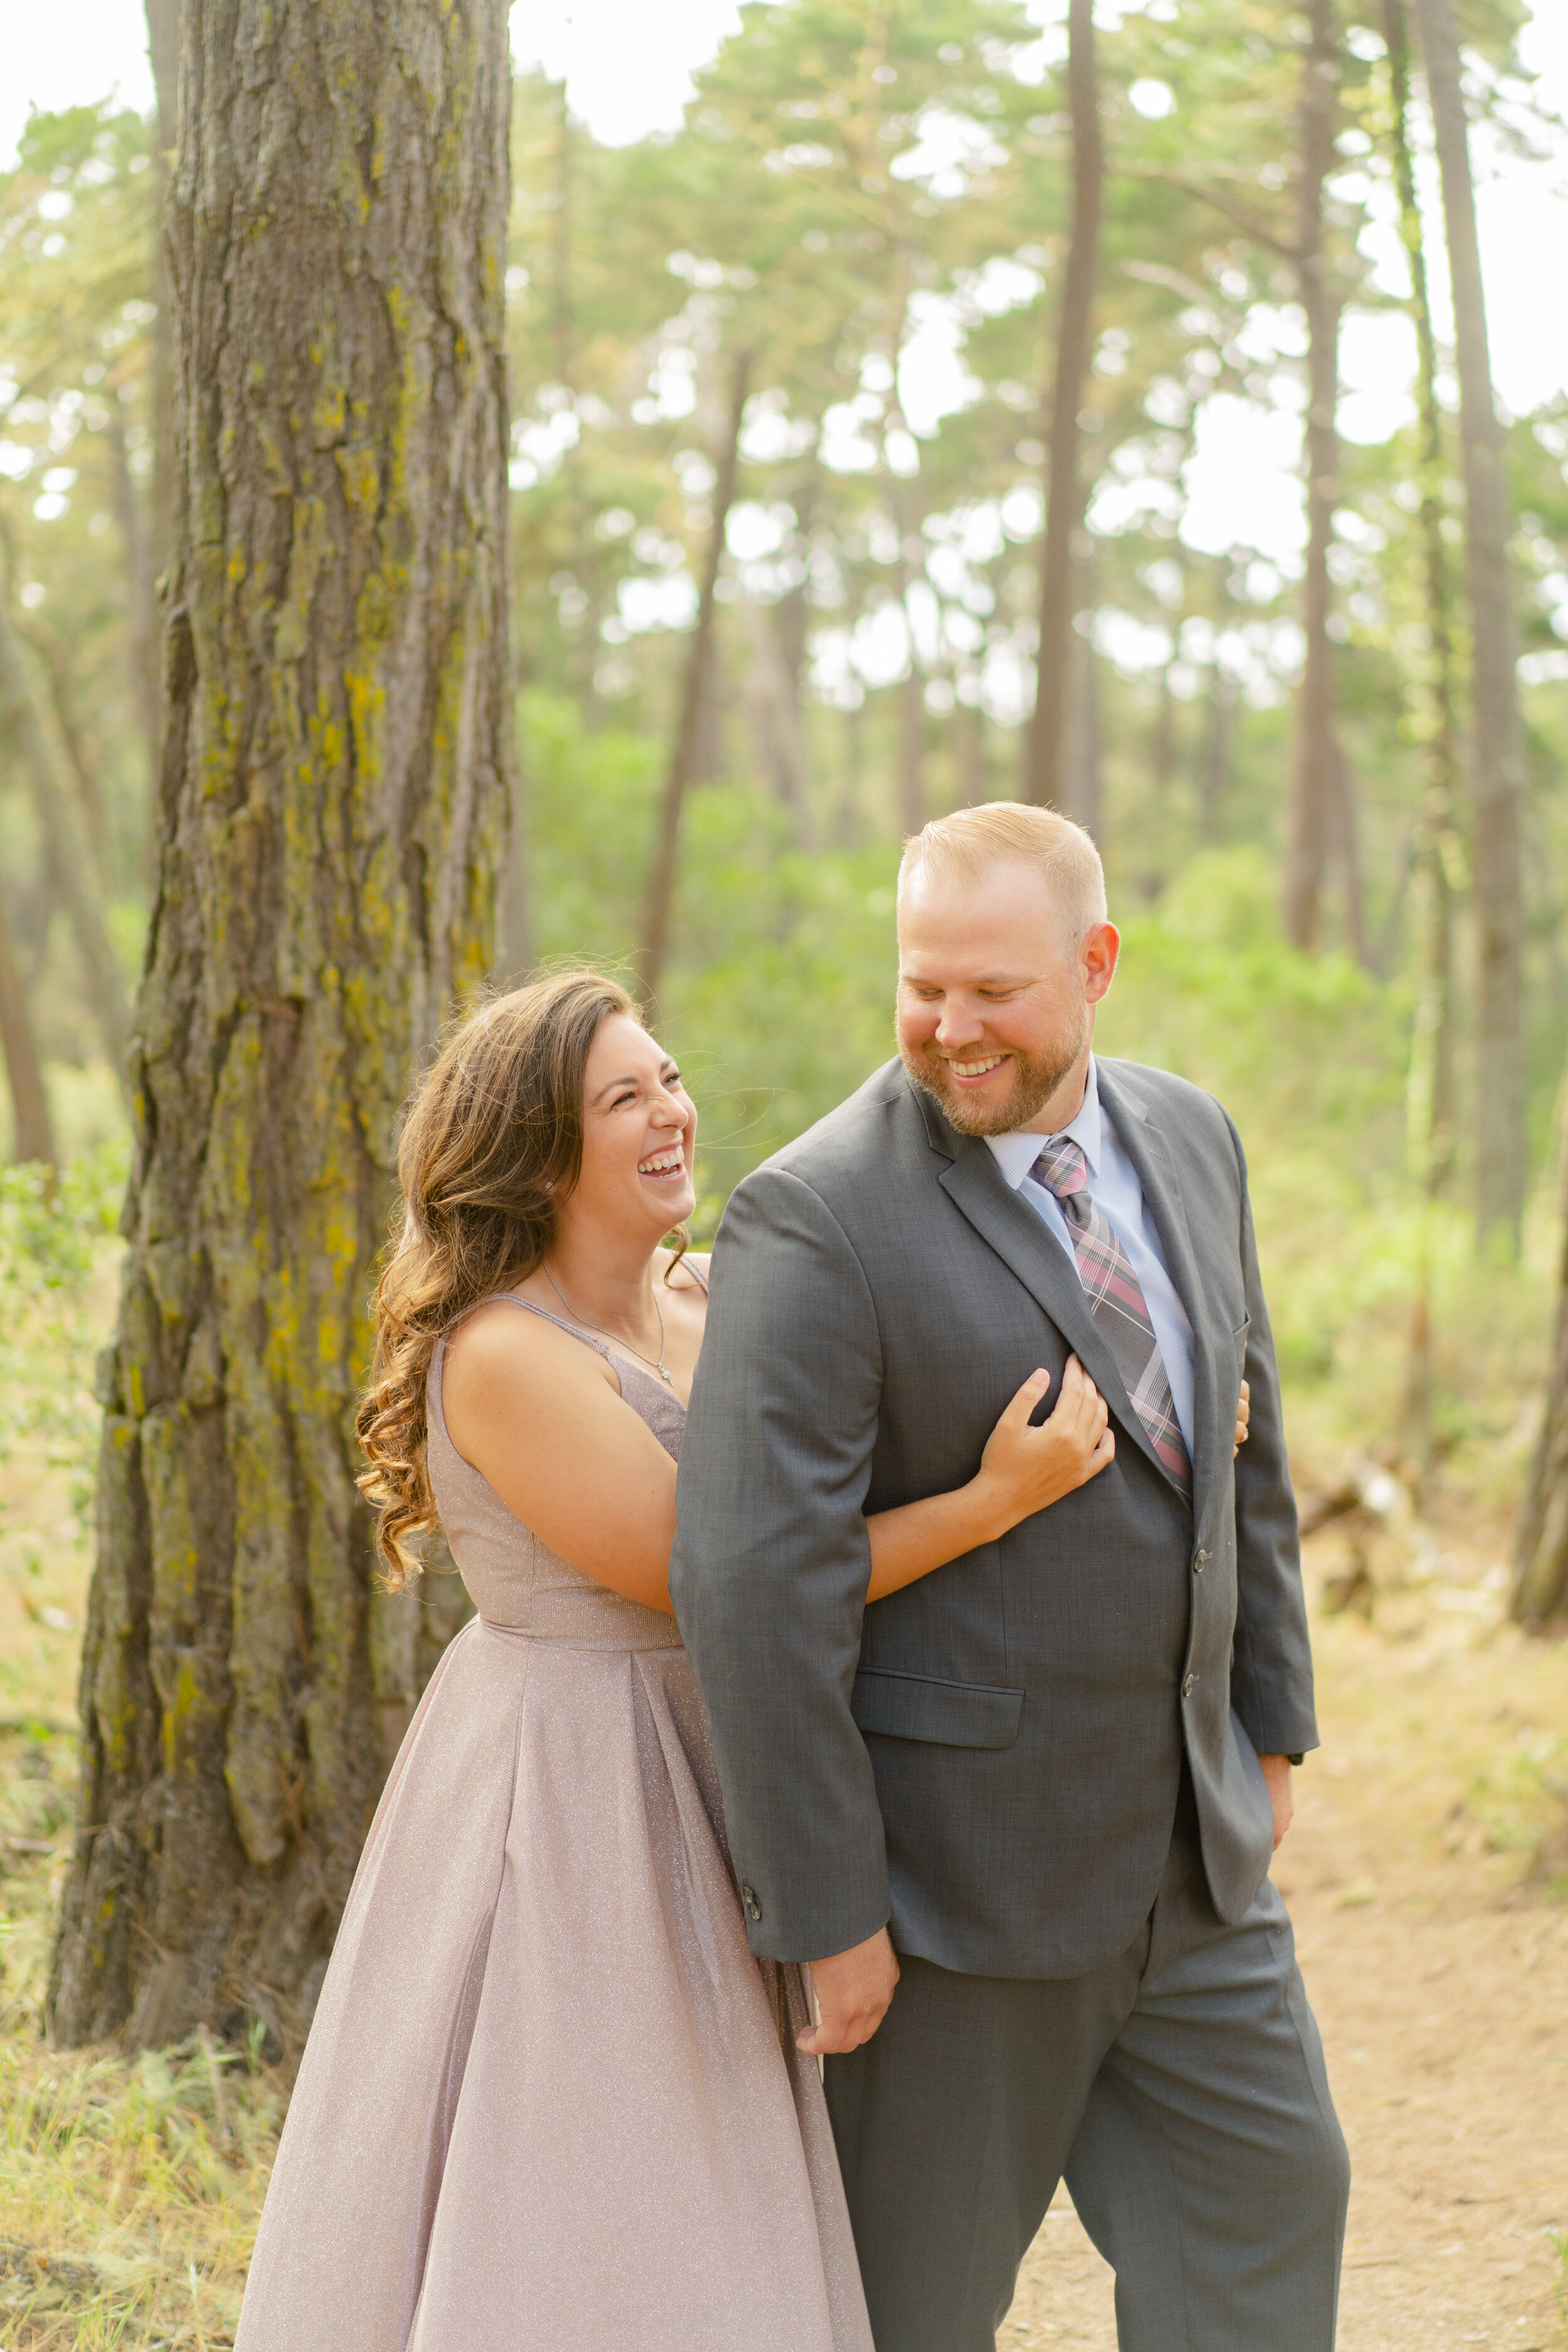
[[991, 1757]]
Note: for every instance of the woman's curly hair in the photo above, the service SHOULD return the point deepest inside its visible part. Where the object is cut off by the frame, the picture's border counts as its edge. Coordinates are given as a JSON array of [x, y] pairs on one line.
[[492, 1145]]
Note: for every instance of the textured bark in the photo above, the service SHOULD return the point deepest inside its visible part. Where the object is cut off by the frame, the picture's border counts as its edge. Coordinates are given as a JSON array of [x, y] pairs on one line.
[[33, 1135], [1497, 742], [681, 772], [332, 821], [1315, 779], [66, 860], [1044, 742]]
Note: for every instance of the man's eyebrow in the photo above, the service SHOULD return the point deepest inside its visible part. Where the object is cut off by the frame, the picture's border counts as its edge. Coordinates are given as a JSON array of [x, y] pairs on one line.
[[986, 978]]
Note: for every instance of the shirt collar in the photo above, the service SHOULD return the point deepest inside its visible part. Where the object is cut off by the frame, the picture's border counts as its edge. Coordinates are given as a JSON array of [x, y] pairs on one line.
[[1017, 1154]]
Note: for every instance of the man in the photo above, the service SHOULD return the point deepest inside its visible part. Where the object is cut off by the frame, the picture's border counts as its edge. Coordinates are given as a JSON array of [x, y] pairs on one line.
[[1049, 1777]]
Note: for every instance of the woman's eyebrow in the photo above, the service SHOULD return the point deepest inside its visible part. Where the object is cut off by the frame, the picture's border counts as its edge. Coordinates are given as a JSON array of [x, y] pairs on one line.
[[611, 1083]]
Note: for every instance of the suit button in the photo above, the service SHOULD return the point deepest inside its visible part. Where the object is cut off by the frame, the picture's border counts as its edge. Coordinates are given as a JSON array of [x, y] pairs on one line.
[[1188, 1687], [1200, 1561], [752, 1908]]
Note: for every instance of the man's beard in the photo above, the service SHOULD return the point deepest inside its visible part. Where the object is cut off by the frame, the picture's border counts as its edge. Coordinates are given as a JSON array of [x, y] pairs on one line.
[[1036, 1079]]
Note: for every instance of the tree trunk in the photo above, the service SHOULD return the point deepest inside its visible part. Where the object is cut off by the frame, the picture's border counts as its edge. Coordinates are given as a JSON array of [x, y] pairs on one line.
[[974, 763], [773, 705], [1082, 779], [332, 826], [33, 1135], [1430, 1091], [1345, 854], [1314, 783], [50, 654], [683, 753], [1043, 741], [164, 18], [1164, 752], [1214, 779], [912, 744], [66, 860], [849, 827], [1496, 750], [141, 592], [1541, 1552]]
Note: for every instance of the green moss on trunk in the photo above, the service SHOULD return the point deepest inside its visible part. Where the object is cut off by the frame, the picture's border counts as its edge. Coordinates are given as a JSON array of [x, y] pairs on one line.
[[333, 821]]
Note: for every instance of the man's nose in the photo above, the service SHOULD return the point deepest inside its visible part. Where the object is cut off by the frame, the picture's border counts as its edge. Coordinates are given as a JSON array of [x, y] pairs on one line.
[[957, 1025]]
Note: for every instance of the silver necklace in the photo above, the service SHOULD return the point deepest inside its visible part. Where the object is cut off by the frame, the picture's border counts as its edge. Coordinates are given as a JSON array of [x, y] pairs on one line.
[[620, 1342]]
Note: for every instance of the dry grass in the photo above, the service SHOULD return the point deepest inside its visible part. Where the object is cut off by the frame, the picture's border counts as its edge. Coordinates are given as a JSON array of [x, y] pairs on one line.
[[129, 2192]]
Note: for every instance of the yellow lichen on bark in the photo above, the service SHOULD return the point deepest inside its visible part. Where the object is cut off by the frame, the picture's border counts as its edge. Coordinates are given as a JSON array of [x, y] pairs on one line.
[[334, 819]]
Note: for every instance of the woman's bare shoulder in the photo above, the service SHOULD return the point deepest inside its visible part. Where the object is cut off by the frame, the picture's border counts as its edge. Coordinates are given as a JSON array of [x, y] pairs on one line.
[[503, 1343]]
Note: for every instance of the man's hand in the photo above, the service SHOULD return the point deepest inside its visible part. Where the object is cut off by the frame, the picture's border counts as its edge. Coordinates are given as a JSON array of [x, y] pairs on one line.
[[1276, 1773], [853, 1989]]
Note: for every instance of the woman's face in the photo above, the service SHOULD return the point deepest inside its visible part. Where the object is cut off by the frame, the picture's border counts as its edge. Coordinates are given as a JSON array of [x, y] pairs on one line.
[[640, 1134]]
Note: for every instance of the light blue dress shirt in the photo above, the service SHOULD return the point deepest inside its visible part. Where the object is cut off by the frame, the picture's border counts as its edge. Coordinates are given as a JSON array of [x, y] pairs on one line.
[[1113, 1182]]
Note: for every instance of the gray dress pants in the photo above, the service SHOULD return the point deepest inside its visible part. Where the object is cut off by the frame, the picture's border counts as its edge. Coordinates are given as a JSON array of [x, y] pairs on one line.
[[1180, 2089]]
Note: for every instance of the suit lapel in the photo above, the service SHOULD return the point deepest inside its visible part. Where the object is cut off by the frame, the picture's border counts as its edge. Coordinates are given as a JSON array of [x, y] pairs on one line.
[[1148, 1148], [973, 1180]]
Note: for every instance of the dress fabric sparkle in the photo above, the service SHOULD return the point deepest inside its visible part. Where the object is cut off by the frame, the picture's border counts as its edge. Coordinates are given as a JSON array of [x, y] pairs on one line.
[[550, 2102]]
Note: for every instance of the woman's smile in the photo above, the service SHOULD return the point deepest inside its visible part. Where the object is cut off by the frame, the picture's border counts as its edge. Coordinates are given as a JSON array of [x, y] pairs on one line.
[[666, 1166]]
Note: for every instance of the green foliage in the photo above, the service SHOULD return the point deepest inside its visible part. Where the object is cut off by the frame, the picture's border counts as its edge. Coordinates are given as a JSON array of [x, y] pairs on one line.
[[53, 1234], [779, 1002]]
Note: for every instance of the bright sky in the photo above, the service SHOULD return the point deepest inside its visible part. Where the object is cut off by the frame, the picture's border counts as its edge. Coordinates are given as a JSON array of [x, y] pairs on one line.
[[629, 65]]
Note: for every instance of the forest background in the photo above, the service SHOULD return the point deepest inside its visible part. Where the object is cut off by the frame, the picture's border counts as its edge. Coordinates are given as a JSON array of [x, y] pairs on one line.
[[788, 416], [878, 596]]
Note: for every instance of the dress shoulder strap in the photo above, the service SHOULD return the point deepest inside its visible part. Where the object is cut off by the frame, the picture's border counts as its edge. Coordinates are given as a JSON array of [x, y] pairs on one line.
[[511, 1299], [698, 1268]]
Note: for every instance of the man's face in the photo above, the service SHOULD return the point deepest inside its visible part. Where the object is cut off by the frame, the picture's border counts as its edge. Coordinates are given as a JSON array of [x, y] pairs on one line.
[[995, 1010]]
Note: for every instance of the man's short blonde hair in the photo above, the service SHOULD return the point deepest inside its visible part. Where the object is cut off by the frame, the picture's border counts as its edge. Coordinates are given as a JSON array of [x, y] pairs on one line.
[[966, 844]]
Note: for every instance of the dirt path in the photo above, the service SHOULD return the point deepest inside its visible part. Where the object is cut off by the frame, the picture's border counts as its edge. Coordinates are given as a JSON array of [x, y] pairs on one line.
[[1428, 1881]]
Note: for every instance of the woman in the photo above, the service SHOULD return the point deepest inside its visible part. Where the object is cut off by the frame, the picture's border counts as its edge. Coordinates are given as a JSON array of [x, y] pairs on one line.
[[549, 2100]]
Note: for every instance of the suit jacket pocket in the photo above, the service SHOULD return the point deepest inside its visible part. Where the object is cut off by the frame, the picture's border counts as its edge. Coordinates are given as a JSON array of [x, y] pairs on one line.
[[1239, 1337], [919, 1706]]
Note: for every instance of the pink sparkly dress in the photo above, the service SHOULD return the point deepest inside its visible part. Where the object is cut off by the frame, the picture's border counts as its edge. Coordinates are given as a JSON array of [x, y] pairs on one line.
[[550, 2102]]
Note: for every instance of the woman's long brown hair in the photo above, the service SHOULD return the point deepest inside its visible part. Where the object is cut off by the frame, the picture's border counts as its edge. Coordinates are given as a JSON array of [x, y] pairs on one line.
[[492, 1145]]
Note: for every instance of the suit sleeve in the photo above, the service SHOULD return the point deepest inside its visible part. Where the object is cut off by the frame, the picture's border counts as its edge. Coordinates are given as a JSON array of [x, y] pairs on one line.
[[1271, 1669], [772, 1560]]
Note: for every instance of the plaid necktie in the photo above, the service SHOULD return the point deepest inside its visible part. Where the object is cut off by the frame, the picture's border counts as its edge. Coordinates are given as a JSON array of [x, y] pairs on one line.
[[1116, 1302]]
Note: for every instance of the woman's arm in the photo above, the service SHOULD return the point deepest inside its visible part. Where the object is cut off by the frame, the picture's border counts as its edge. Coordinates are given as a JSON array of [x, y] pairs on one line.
[[1022, 1470], [541, 1417]]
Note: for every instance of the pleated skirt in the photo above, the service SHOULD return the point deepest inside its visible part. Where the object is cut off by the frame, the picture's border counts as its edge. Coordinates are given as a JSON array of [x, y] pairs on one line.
[[550, 2103]]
